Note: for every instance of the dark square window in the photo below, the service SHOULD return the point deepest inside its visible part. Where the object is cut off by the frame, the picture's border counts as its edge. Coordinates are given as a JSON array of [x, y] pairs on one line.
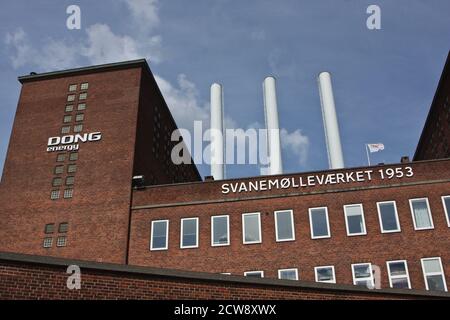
[[63, 227], [49, 228], [73, 156]]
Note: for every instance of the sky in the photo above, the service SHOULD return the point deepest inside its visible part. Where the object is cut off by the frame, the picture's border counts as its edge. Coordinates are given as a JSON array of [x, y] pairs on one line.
[[384, 80]]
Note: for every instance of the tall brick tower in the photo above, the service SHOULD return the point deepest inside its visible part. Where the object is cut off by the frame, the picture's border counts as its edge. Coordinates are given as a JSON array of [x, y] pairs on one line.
[[79, 138]]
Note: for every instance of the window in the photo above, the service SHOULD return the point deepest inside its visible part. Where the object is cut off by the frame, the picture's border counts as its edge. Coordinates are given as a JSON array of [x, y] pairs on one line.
[[189, 233], [49, 228], [59, 169], [254, 274], [54, 195], [325, 274], [433, 274], [56, 182], [71, 168], [420, 210], [69, 108], [61, 241], [61, 157], [220, 231], [48, 242], [84, 86], [73, 156], [82, 106], [160, 235], [251, 228], [73, 87], [362, 275], [78, 128], [446, 204], [388, 216], [398, 274], [63, 227], [83, 96], [67, 119], [65, 129], [70, 181], [319, 224], [288, 274], [79, 117], [70, 98], [354, 220], [68, 193], [284, 225]]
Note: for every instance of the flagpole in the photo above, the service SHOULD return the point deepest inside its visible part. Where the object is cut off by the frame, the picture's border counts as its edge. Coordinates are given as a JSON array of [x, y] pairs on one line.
[[367, 151]]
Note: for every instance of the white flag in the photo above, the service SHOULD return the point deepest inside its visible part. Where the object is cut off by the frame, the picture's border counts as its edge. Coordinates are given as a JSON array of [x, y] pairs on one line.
[[375, 147]]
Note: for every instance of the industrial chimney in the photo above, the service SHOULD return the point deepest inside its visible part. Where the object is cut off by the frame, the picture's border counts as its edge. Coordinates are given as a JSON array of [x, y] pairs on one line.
[[272, 126], [333, 140], [217, 145]]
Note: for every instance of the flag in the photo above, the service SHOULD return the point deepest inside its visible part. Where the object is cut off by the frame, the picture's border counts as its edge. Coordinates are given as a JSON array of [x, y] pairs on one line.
[[375, 147]]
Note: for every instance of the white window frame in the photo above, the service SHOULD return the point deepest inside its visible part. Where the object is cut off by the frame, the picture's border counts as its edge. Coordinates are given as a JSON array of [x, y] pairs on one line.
[[442, 273], [311, 223], [289, 269], [429, 214], [397, 277], [364, 232], [228, 231], [243, 228], [247, 272], [399, 229], [291, 213], [327, 281], [366, 278], [196, 233], [166, 247], [447, 213]]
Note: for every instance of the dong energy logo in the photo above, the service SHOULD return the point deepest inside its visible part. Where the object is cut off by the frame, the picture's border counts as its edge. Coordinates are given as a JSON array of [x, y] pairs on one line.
[[71, 142]]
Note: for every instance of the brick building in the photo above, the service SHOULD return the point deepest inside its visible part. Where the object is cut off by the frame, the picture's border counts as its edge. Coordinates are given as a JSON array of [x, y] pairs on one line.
[[81, 135]]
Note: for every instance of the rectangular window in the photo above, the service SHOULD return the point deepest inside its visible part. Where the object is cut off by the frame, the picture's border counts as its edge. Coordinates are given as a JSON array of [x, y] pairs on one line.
[[59, 169], [67, 119], [70, 98], [433, 274], [63, 227], [254, 274], [84, 86], [446, 204], [83, 96], [363, 275], [71, 168], [319, 224], [56, 182], [388, 216], [288, 274], [220, 231], [284, 225], [398, 274], [421, 214], [69, 108], [73, 156], [61, 157], [189, 233], [251, 228], [65, 129], [160, 235], [70, 181], [48, 242], [49, 228], [78, 128], [79, 117], [54, 195], [325, 274], [61, 241], [68, 193], [82, 106], [354, 220], [73, 87]]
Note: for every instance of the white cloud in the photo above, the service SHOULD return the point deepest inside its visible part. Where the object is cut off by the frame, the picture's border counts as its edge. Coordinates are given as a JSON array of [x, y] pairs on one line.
[[296, 143], [144, 13]]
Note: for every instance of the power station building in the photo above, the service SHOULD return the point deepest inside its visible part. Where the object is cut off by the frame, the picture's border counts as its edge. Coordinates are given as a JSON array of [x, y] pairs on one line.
[[88, 176]]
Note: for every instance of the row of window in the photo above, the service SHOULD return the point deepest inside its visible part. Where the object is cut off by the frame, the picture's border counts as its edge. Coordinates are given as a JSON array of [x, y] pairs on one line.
[[80, 107], [61, 239], [364, 274], [284, 224]]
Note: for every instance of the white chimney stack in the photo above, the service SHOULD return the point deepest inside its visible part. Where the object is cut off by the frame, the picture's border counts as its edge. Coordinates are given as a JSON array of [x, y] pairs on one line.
[[217, 145], [272, 126], [330, 122]]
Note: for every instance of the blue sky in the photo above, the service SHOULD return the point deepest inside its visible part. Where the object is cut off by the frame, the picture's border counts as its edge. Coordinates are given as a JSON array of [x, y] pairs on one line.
[[384, 80]]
